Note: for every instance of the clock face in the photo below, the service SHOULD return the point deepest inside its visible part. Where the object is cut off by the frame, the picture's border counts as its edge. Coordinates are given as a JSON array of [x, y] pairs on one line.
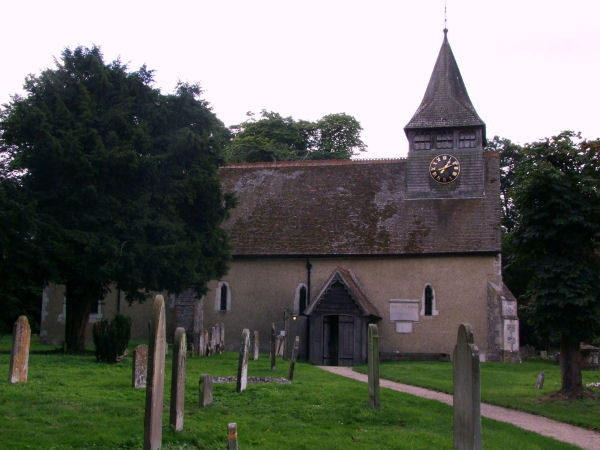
[[444, 168]]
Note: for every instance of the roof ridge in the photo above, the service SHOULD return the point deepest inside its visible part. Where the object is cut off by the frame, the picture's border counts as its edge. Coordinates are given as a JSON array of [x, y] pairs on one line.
[[326, 162]]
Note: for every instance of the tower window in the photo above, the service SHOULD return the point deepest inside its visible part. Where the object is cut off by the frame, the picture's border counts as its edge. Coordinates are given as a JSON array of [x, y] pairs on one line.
[[422, 142], [467, 140], [300, 299], [445, 141]]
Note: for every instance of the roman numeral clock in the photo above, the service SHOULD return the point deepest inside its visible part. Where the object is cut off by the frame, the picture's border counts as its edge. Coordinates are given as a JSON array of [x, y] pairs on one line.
[[444, 168]]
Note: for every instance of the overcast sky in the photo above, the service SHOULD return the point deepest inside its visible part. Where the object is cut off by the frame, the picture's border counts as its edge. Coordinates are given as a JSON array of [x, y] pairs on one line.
[[531, 67]]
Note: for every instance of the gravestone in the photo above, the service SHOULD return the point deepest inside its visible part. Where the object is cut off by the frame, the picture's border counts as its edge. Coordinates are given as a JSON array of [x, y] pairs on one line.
[[256, 345], [273, 342], [197, 326], [156, 376], [242, 377], [19, 355], [222, 338], [206, 396], [373, 357], [293, 358], [206, 342], [539, 384], [140, 365], [467, 402], [178, 379], [232, 438]]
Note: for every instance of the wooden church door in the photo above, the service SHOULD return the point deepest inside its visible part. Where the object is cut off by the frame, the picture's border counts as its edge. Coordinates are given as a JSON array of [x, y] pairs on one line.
[[338, 340]]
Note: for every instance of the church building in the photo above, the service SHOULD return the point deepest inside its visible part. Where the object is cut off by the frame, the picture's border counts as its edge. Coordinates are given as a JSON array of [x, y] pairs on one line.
[[324, 248]]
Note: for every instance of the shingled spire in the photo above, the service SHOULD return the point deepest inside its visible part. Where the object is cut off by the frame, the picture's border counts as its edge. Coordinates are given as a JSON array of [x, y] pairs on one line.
[[446, 103]]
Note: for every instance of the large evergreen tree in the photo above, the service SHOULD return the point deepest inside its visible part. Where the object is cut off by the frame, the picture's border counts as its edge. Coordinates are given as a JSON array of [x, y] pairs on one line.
[[556, 194], [123, 180]]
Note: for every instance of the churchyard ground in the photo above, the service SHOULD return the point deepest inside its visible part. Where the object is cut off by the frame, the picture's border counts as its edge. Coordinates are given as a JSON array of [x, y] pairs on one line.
[[71, 401]]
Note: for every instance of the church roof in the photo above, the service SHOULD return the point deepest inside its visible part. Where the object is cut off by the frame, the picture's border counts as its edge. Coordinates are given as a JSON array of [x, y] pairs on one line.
[[324, 208], [446, 102]]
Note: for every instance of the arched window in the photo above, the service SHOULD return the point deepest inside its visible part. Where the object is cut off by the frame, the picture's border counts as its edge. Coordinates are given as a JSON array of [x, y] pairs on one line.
[[223, 297], [428, 300], [300, 299], [428, 303]]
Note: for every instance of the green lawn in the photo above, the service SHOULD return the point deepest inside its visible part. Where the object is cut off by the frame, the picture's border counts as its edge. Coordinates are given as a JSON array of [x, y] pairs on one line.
[[510, 385], [75, 402]]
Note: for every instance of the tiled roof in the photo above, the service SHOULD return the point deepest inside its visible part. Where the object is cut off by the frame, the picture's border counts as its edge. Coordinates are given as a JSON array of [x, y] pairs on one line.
[[321, 208], [446, 102]]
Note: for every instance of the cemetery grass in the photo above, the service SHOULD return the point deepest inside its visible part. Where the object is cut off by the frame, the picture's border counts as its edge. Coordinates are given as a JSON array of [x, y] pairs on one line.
[[509, 385], [71, 401]]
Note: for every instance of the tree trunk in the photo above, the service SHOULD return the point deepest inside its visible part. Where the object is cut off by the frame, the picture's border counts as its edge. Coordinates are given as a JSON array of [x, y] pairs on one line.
[[570, 368], [78, 313]]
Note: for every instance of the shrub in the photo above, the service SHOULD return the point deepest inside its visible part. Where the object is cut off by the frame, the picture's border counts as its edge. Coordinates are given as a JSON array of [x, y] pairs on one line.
[[111, 338]]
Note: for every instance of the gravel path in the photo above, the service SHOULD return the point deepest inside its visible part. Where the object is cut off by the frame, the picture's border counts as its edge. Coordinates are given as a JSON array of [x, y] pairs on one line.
[[547, 427]]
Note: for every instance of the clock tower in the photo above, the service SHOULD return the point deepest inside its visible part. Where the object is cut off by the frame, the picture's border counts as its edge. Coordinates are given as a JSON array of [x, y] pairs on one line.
[[446, 137]]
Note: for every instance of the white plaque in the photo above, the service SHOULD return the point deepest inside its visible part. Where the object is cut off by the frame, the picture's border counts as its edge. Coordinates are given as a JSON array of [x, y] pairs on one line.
[[511, 335], [509, 309], [404, 327], [404, 310]]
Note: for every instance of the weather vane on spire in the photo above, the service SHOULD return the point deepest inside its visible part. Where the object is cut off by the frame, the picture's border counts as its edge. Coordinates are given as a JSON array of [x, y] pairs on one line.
[[445, 17]]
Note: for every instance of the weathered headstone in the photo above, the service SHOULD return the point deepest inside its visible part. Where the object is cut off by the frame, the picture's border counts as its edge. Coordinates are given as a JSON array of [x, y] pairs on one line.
[[373, 356], [206, 342], [197, 326], [178, 380], [273, 342], [544, 354], [293, 358], [140, 365], [242, 378], [156, 377], [467, 401], [206, 396], [222, 338], [19, 356], [256, 345], [539, 384], [213, 341], [232, 438]]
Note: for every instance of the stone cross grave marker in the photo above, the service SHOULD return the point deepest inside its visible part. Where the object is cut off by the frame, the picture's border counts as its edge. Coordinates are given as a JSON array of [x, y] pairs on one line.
[[373, 356], [19, 355], [156, 376], [256, 345], [467, 402], [232, 438], [242, 378], [539, 384], [206, 396], [273, 341], [178, 379], [140, 365], [294, 356]]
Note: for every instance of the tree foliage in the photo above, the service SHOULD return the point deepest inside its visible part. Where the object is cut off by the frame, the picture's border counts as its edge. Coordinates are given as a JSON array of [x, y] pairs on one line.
[[122, 179], [277, 138], [555, 235]]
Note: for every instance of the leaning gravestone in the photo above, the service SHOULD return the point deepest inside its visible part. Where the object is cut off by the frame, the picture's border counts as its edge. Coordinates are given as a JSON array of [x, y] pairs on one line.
[[19, 356], [156, 377], [539, 384], [373, 336], [140, 365], [178, 380], [256, 345], [206, 396], [273, 341], [293, 358], [467, 402], [242, 378]]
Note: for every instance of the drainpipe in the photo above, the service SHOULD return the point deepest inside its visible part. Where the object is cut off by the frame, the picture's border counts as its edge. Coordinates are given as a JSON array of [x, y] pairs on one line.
[[308, 268]]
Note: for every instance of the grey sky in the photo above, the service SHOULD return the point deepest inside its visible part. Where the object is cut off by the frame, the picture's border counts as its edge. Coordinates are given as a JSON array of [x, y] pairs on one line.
[[531, 66]]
